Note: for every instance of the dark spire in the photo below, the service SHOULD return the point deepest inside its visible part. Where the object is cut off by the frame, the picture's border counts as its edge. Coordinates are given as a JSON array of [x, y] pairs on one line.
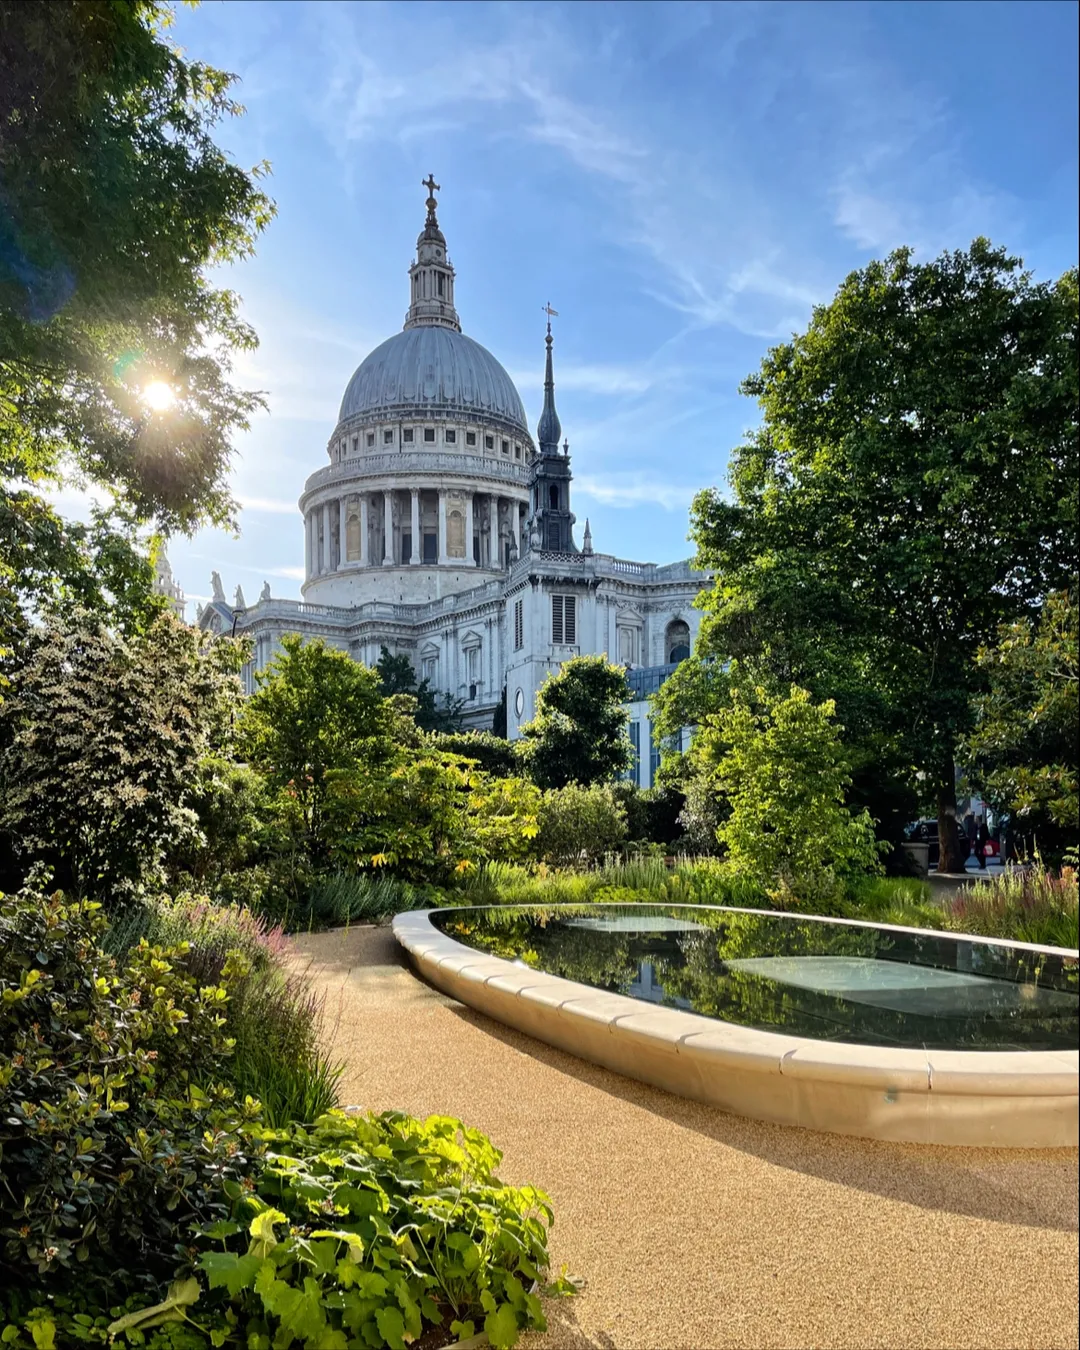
[[549, 428]]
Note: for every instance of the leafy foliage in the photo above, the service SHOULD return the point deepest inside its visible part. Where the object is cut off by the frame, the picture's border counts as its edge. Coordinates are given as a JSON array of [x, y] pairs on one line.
[[317, 711], [116, 202], [1026, 741], [777, 760], [99, 739], [396, 675], [492, 754], [427, 816], [115, 1133], [273, 1017], [579, 732], [912, 487], [364, 1230], [580, 824]]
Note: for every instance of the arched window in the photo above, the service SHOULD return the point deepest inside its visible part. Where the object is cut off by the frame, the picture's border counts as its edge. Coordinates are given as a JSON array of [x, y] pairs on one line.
[[553, 497], [678, 641], [352, 537]]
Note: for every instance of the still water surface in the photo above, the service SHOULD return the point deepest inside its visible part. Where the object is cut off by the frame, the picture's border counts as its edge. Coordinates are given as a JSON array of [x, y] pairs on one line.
[[781, 972]]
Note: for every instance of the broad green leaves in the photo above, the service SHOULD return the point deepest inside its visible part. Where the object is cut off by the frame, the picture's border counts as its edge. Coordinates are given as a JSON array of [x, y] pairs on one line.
[[419, 1233]]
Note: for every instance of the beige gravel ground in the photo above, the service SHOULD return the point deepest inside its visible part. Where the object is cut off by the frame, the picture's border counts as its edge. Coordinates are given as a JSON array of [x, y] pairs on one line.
[[698, 1229]]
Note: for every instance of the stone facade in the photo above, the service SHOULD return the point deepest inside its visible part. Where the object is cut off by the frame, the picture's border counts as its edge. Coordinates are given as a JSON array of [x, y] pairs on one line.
[[441, 530]]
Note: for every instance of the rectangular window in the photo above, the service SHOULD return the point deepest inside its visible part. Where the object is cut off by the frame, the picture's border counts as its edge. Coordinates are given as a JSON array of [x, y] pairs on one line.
[[406, 546], [476, 549], [564, 620], [355, 444], [517, 451], [430, 668], [388, 438], [451, 437], [635, 746], [489, 442], [441, 282], [519, 625], [506, 447], [431, 548], [429, 435], [407, 435], [371, 438], [470, 438], [654, 756]]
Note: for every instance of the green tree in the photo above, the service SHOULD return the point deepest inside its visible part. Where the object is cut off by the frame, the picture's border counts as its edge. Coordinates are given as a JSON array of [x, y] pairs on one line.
[[115, 204], [100, 738], [580, 824], [317, 710], [397, 676], [1025, 744], [912, 487], [777, 760], [579, 732], [427, 816]]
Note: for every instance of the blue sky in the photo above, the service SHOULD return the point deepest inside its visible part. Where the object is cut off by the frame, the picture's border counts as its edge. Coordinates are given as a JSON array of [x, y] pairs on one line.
[[682, 181]]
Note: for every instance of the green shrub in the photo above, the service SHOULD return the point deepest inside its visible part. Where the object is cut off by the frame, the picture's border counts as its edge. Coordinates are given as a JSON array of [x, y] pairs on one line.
[[580, 824], [1032, 905], [358, 897], [652, 814], [115, 1133], [494, 755], [377, 1227], [273, 1017]]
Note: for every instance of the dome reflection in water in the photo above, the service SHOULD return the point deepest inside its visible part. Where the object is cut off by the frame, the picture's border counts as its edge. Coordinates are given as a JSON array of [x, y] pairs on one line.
[[784, 973]]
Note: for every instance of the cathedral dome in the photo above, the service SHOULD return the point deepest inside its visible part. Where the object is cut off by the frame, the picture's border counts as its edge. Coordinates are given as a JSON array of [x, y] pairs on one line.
[[434, 370]]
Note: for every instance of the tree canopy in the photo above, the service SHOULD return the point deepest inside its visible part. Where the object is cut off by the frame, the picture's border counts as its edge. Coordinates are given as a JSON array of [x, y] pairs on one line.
[[913, 486], [115, 204], [579, 732]]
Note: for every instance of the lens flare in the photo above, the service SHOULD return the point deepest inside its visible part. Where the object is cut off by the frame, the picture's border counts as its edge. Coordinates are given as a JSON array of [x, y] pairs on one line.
[[158, 396]]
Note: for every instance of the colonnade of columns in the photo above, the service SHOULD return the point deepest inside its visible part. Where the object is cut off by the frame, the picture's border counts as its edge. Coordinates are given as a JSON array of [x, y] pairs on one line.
[[339, 532]]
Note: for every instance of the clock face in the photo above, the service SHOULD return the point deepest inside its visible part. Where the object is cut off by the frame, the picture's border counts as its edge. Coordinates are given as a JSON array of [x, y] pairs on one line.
[[519, 702]]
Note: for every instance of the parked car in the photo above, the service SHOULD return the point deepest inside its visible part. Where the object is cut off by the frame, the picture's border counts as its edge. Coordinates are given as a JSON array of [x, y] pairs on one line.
[[925, 831]]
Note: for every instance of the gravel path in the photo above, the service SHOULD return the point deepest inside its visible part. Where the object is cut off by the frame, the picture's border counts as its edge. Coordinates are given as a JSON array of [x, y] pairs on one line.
[[698, 1229]]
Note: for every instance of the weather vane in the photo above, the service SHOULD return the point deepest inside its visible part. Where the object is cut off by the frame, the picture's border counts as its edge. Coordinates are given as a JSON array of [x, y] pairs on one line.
[[551, 313]]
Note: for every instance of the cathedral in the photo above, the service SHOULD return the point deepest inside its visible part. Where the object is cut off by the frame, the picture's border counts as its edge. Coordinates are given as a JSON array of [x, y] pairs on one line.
[[441, 529]]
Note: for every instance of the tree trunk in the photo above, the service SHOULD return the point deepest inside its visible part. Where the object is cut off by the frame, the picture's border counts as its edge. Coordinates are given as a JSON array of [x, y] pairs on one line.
[[950, 858]]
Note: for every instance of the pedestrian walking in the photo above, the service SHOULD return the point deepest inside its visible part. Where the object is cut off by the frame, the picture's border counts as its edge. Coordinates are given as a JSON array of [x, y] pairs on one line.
[[982, 838], [971, 834]]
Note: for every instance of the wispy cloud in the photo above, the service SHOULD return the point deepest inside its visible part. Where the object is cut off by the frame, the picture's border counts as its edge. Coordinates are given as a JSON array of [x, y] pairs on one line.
[[269, 505], [637, 490]]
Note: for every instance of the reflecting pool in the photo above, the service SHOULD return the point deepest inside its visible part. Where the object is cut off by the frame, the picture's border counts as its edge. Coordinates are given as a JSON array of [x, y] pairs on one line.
[[804, 977]]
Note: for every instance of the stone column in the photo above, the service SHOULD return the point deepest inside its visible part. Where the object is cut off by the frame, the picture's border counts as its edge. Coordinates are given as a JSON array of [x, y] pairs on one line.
[[326, 537], [365, 546], [515, 526], [417, 542], [343, 531], [442, 528], [307, 546], [469, 530], [388, 528]]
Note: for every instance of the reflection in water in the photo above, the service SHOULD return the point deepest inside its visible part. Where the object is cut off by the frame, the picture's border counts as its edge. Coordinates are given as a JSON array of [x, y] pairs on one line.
[[779, 972]]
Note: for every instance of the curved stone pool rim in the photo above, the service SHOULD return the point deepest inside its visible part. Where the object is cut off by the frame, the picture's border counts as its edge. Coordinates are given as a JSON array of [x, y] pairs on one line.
[[965, 1098]]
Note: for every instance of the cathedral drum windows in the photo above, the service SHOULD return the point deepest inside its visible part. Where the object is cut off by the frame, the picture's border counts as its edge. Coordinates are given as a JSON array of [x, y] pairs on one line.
[[407, 436], [429, 435]]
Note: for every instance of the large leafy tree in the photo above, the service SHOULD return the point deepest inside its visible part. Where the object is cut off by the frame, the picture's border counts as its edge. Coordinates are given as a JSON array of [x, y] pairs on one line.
[[579, 732], [100, 737], [115, 203], [913, 486], [1025, 745], [317, 711]]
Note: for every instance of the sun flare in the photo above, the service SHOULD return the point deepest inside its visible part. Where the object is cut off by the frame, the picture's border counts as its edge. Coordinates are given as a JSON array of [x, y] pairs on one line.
[[158, 396]]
